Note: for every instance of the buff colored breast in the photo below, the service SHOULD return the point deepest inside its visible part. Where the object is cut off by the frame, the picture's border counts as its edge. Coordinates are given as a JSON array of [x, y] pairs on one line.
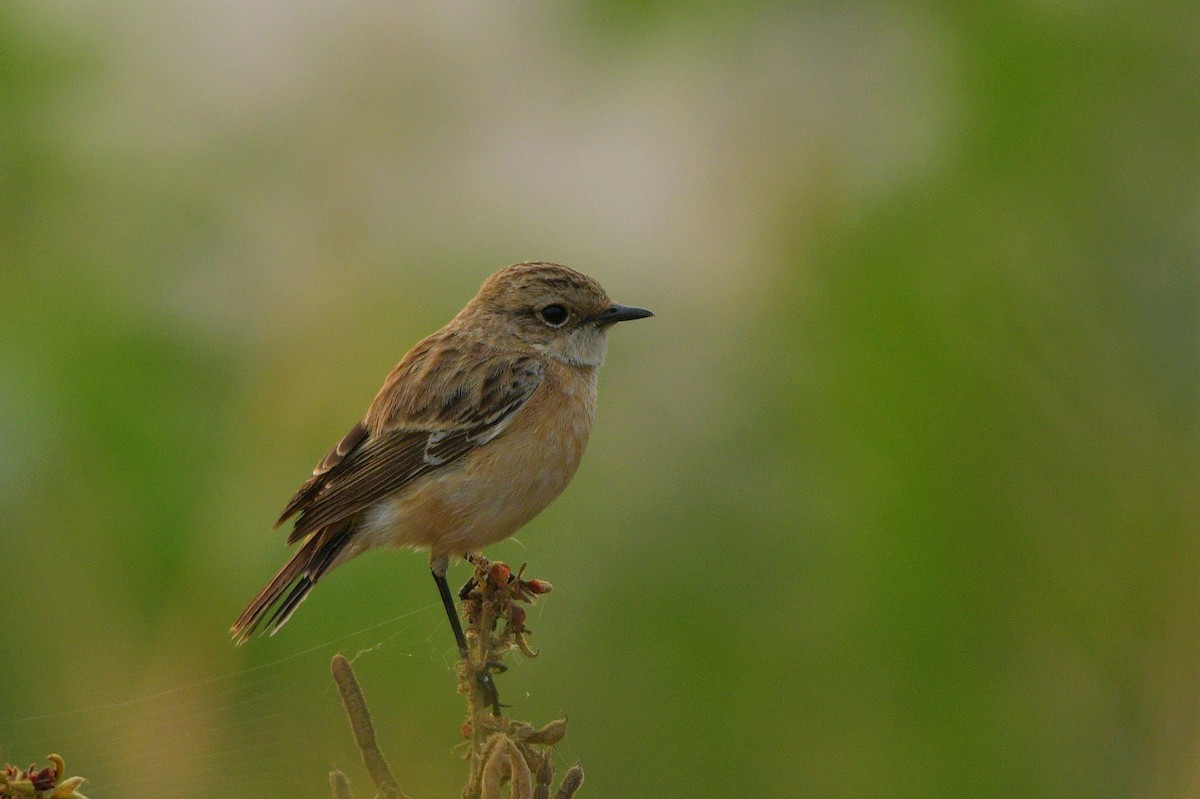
[[502, 485]]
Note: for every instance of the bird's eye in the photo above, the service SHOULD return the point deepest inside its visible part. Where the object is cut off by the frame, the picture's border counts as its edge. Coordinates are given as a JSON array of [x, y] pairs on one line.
[[554, 315]]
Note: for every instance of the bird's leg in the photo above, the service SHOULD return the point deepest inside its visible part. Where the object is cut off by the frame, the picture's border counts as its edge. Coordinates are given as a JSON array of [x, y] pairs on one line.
[[452, 614], [487, 686]]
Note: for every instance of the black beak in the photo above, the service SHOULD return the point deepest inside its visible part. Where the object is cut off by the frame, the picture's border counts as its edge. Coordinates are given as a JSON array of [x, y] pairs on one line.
[[620, 313]]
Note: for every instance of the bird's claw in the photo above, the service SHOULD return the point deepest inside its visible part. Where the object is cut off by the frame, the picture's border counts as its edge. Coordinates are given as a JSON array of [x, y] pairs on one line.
[[487, 686]]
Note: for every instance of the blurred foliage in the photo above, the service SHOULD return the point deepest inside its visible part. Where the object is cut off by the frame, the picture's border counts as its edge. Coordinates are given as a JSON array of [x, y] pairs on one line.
[[896, 495]]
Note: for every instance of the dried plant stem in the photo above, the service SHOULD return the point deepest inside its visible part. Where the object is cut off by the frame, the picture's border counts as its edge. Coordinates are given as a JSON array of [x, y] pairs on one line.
[[500, 750], [364, 730], [503, 750]]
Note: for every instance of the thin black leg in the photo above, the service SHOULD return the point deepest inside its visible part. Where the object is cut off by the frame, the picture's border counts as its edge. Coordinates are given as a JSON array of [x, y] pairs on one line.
[[487, 685], [452, 613]]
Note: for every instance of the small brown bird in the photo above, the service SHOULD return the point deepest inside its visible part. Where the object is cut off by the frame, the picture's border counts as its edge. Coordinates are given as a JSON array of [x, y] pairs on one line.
[[477, 429]]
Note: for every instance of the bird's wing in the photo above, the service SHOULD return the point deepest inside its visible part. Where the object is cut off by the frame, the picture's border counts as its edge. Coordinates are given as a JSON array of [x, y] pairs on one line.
[[320, 474], [430, 413]]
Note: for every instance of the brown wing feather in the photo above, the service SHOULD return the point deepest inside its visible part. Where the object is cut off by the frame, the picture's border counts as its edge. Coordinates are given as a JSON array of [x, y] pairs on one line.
[[445, 384], [378, 468], [321, 474], [439, 427]]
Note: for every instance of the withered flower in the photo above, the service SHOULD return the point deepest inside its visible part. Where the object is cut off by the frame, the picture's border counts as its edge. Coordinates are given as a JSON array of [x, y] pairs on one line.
[[43, 783]]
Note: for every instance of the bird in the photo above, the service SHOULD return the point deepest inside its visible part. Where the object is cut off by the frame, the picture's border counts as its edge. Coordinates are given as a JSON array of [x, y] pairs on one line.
[[476, 430]]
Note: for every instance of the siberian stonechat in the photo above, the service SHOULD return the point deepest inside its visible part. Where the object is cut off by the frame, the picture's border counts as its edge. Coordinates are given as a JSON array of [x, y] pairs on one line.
[[477, 429]]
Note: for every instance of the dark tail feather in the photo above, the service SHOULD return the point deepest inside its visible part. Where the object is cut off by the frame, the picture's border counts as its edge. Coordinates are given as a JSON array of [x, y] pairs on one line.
[[299, 575], [288, 606]]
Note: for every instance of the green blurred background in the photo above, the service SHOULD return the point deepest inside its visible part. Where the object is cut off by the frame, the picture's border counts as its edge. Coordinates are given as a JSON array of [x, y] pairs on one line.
[[897, 496]]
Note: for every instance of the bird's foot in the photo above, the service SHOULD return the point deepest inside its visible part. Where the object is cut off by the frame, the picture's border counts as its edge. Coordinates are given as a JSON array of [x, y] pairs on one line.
[[486, 685], [480, 563]]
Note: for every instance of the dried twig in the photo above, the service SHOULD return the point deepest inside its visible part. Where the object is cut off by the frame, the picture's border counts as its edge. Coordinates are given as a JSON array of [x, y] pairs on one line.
[[500, 750], [364, 730]]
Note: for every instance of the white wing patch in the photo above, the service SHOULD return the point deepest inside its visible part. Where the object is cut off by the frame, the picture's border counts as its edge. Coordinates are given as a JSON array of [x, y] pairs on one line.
[[431, 457]]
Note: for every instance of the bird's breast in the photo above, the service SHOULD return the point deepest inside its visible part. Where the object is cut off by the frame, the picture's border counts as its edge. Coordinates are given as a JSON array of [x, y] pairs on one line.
[[500, 486]]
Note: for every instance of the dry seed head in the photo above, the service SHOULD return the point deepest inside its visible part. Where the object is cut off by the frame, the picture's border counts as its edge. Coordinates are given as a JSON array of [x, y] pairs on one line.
[[550, 734], [545, 775], [493, 768], [522, 780], [499, 574], [571, 782]]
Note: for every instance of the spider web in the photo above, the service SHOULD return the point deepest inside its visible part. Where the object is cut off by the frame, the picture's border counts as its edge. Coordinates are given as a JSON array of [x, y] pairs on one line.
[[232, 730]]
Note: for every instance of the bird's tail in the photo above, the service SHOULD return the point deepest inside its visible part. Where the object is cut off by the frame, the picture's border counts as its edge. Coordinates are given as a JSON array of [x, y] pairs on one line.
[[291, 585]]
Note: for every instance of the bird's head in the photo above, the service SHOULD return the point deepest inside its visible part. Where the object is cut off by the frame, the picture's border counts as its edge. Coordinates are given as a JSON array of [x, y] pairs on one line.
[[552, 309]]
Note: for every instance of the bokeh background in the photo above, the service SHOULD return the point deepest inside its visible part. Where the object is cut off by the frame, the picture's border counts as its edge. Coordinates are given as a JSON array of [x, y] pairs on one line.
[[897, 496]]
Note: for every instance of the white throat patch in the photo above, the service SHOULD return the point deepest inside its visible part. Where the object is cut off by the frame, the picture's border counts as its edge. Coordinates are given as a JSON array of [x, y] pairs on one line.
[[584, 346]]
